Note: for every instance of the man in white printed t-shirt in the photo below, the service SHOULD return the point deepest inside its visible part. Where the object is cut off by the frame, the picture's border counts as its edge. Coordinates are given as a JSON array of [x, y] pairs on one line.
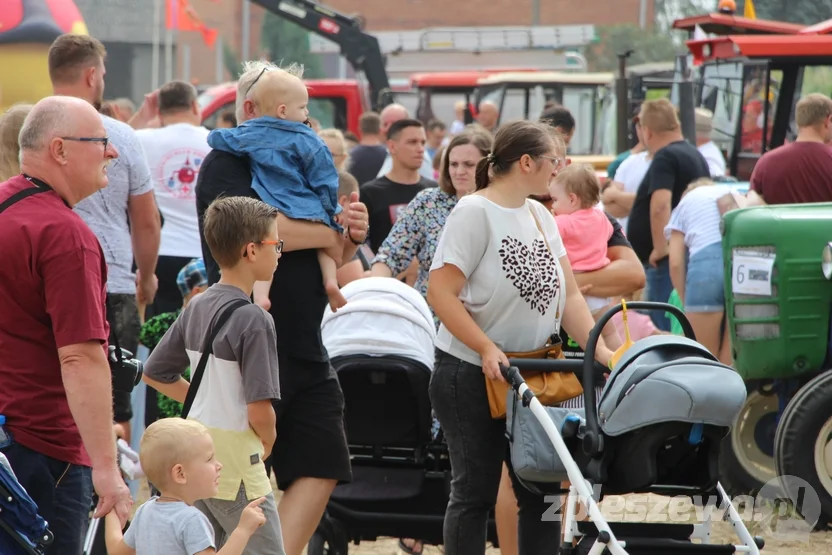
[[175, 151], [123, 215]]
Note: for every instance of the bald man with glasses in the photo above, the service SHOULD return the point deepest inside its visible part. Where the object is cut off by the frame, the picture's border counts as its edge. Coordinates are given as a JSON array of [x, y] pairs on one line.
[[55, 384]]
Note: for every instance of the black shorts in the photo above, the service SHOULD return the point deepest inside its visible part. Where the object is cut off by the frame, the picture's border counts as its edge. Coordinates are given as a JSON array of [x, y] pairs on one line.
[[311, 439]]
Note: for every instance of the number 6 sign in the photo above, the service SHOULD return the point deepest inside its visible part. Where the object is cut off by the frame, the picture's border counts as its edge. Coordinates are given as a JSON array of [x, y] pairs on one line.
[[751, 275]]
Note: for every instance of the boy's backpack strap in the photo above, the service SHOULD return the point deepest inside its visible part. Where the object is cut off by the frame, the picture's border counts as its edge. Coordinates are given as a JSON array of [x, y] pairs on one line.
[[207, 348]]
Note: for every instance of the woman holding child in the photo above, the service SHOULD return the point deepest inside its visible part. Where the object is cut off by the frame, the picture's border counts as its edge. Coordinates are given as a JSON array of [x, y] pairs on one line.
[[500, 282]]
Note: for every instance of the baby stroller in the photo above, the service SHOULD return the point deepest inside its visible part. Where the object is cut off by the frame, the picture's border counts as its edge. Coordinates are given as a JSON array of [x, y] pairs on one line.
[[22, 530], [657, 429], [381, 346]]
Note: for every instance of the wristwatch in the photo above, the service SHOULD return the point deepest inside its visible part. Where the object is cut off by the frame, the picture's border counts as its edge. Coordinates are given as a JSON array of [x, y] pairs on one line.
[[359, 243]]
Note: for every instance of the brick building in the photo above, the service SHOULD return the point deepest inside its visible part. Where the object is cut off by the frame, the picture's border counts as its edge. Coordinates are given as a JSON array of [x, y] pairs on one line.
[[391, 15]]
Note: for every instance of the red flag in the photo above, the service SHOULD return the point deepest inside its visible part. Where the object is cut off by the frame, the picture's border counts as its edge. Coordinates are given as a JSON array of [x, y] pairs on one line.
[[181, 16], [209, 36]]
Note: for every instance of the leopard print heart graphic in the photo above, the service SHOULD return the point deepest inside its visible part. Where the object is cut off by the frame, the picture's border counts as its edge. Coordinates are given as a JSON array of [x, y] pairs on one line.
[[532, 271]]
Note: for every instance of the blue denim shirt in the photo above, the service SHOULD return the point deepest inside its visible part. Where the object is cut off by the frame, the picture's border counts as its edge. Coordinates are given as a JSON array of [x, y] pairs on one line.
[[292, 168]]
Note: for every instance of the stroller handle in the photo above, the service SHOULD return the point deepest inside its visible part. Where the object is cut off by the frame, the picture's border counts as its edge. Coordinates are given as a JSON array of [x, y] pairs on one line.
[[593, 440]]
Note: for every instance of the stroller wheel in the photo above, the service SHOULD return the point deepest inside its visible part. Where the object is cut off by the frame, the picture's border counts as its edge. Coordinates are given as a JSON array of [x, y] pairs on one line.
[[329, 539]]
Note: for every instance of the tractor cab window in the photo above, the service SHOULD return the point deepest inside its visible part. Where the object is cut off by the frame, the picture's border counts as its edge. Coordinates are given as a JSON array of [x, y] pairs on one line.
[[581, 101], [512, 103], [435, 104], [330, 112], [721, 93], [756, 95]]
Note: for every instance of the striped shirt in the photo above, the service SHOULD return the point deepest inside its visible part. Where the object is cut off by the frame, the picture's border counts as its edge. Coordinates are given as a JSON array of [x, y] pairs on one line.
[[697, 217]]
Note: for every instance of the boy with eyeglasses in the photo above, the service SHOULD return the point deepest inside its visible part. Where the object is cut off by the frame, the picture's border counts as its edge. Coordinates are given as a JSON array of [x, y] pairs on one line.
[[240, 380]]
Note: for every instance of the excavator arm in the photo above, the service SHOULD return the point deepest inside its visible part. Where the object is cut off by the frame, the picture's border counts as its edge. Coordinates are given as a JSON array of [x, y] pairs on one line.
[[361, 49]]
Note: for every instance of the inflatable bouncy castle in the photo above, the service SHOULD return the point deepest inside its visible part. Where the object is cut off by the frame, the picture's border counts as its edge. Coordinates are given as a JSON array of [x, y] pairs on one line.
[[27, 28]]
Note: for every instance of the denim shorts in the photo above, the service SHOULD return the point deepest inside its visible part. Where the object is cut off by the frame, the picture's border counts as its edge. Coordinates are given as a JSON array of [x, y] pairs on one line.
[[704, 283]]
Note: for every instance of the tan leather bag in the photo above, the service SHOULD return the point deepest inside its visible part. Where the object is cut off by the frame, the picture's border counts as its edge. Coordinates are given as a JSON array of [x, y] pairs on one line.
[[550, 388]]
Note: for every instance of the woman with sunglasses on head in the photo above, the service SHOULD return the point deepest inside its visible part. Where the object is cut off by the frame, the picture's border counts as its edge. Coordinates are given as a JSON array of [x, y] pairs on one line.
[[500, 282]]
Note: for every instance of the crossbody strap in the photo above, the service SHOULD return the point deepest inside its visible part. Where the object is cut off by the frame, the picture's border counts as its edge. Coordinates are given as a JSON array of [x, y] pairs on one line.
[[20, 195], [561, 299], [207, 349], [540, 229]]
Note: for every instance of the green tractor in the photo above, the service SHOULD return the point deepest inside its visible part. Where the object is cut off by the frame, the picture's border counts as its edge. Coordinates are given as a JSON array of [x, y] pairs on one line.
[[777, 265]]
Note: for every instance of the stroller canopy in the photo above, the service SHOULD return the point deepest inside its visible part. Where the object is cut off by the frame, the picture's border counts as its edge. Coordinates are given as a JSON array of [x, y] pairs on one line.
[[669, 379], [383, 316], [22, 530]]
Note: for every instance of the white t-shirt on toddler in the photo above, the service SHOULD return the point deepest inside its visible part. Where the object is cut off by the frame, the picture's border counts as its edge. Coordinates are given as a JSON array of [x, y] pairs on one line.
[[515, 289]]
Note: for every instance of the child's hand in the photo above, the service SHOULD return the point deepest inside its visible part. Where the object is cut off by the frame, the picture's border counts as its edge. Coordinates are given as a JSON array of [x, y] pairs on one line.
[[252, 517], [261, 294], [340, 219]]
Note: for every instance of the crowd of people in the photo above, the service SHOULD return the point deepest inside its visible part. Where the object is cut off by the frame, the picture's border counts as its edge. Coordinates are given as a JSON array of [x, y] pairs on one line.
[[221, 250]]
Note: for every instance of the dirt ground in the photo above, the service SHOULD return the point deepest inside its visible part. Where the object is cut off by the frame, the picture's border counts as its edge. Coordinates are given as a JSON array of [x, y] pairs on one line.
[[622, 508]]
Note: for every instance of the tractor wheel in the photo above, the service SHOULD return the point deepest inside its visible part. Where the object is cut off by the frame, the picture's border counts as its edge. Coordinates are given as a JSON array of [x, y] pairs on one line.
[[803, 447], [329, 539], [746, 457]]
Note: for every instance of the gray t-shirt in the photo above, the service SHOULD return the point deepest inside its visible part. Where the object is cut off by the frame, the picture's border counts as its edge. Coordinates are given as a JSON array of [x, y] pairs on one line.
[[169, 528], [243, 369], [105, 211]]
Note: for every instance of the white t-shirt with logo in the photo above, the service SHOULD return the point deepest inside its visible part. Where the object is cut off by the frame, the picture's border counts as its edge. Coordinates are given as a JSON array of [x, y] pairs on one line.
[[631, 173], [175, 153], [515, 288]]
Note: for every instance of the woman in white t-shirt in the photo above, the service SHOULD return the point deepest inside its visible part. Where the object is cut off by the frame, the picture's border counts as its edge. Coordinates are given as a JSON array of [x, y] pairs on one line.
[[498, 284], [696, 268]]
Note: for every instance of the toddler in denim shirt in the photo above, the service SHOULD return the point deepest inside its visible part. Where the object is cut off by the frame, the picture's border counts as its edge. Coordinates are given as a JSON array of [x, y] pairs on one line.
[[292, 168]]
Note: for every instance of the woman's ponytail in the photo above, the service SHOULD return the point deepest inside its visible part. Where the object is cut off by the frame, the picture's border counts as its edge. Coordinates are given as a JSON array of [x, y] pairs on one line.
[[481, 177]]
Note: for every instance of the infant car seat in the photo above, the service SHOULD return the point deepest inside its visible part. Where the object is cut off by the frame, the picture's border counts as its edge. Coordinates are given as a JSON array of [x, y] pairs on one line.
[[663, 413]]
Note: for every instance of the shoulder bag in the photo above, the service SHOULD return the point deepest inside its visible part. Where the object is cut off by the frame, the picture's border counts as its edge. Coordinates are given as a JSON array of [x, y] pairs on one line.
[[550, 388]]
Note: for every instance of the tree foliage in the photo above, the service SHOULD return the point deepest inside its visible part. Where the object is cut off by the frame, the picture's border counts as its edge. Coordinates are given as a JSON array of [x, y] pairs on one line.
[[807, 12], [647, 46], [231, 61], [287, 43]]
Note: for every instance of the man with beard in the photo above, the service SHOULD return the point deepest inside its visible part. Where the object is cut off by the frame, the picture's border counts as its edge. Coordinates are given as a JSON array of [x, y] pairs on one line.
[[124, 215]]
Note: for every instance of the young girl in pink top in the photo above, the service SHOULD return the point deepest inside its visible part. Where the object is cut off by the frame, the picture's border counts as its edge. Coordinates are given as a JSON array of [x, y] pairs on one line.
[[584, 230]]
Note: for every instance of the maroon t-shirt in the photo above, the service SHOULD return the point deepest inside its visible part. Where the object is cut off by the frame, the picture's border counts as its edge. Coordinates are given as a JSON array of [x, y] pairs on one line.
[[52, 294], [795, 173]]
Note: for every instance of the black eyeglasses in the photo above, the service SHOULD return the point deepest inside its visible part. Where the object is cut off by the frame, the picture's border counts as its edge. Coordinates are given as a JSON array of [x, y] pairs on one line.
[[262, 71], [104, 140]]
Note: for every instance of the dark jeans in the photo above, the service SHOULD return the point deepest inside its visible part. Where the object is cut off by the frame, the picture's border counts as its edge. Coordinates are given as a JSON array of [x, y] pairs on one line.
[[62, 492], [124, 324], [659, 288], [477, 446]]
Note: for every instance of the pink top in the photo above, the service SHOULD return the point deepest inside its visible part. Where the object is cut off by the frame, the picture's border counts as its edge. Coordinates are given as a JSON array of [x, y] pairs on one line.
[[585, 234], [640, 325]]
